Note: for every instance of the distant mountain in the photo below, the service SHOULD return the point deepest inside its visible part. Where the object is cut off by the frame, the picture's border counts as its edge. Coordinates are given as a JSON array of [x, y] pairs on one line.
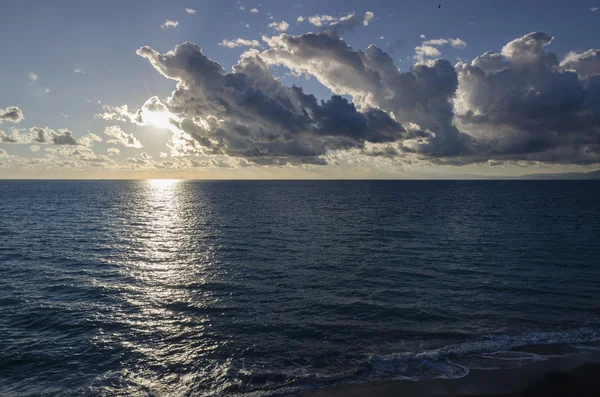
[[568, 175], [563, 176]]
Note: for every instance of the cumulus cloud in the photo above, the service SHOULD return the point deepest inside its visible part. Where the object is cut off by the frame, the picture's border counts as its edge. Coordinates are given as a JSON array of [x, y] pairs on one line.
[[280, 26], [190, 11], [585, 64], [251, 114], [254, 11], [117, 136], [113, 151], [524, 104], [238, 43], [419, 96], [12, 114], [169, 24], [519, 104]]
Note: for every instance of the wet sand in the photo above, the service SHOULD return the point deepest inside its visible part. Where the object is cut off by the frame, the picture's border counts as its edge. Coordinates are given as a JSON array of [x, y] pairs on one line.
[[557, 379]]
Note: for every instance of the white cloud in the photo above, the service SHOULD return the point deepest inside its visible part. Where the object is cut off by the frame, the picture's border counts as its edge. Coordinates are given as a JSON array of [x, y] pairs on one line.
[[594, 9], [239, 42], [119, 137], [169, 24], [338, 24], [254, 11], [428, 49], [280, 26], [190, 11], [436, 42], [77, 70], [34, 148], [586, 64], [113, 151], [458, 43]]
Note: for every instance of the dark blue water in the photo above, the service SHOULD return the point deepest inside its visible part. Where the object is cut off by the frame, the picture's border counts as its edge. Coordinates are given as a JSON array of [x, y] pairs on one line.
[[232, 288]]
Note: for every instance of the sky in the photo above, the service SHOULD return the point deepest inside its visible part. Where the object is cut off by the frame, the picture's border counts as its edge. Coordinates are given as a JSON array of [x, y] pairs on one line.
[[298, 89]]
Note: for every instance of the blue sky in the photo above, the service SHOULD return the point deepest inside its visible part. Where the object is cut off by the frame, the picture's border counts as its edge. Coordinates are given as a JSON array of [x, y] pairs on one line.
[[100, 38]]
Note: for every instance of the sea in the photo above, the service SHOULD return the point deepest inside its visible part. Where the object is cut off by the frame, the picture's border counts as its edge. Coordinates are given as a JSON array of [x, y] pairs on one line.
[[265, 288]]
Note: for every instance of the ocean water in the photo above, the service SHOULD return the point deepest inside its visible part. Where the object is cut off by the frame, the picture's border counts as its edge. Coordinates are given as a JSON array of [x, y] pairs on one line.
[[184, 288]]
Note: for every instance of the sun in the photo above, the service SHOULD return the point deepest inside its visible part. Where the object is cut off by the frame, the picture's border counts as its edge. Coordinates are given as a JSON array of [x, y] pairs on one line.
[[158, 119]]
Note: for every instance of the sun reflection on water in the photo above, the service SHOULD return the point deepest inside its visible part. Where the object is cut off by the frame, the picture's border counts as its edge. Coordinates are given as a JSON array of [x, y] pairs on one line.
[[166, 314]]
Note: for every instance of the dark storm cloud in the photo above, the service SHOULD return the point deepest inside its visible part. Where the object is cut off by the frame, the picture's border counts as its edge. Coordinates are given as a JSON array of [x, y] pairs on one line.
[[12, 114]]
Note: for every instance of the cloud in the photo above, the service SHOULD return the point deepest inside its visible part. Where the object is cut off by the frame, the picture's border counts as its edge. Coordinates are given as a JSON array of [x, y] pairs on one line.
[[426, 51], [33, 77], [239, 43], [89, 140], [518, 104], [113, 151], [594, 9], [428, 48], [523, 104], [585, 64], [34, 148], [12, 114], [117, 136], [169, 24], [254, 11], [41, 135], [64, 138], [77, 70], [338, 25], [190, 11], [280, 26], [458, 43], [251, 114]]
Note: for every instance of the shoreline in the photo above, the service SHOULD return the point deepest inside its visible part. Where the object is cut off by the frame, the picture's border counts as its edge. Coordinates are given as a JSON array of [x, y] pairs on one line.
[[552, 378]]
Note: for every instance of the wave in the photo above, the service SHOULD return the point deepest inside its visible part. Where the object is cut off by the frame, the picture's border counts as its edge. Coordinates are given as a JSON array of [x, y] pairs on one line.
[[491, 352]]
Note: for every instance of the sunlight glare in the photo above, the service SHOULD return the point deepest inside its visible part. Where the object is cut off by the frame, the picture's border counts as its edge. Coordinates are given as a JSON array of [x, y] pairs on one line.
[[158, 119]]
